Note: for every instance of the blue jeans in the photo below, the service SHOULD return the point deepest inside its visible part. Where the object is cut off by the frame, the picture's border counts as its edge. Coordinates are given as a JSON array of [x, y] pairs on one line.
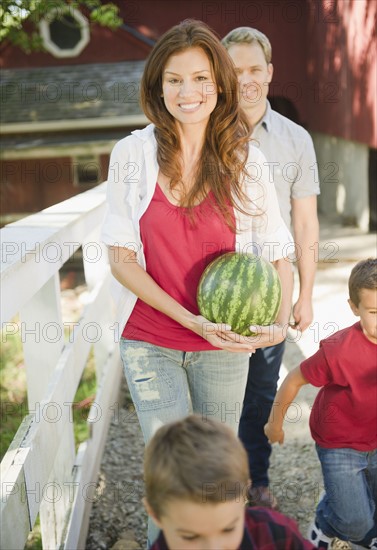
[[260, 392], [348, 509], [166, 385]]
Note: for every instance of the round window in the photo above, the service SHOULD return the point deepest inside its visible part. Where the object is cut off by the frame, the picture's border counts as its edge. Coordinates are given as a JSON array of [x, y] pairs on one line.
[[64, 33]]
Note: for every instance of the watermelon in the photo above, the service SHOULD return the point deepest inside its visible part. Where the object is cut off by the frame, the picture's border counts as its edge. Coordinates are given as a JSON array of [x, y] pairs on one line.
[[239, 290]]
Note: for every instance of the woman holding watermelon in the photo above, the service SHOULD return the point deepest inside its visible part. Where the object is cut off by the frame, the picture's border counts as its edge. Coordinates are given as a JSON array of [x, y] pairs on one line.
[[182, 191]]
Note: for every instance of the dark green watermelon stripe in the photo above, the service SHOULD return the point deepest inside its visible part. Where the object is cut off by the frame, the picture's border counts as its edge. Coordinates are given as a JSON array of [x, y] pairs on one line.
[[208, 282], [227, 274], [234, 303], [254, 302], [210, 288], [238, 307]]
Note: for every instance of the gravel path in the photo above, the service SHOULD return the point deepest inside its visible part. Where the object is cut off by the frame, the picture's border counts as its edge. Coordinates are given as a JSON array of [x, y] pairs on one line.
[[118, 509]]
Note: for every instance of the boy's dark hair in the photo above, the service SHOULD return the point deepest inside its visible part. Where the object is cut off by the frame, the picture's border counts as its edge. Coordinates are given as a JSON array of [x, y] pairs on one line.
[[363, 275], [197, 460]]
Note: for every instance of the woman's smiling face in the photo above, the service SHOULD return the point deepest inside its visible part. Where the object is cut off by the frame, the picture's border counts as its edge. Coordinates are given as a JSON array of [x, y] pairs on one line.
[[188, 86]]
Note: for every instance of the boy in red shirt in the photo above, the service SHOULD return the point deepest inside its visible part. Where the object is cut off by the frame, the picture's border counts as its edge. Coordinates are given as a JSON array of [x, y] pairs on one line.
[[343, 421], [196, 480]]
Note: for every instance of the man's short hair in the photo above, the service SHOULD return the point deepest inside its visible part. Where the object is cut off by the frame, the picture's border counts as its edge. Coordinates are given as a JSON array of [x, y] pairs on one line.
[[194, 459], [248, 35], [363, 275]]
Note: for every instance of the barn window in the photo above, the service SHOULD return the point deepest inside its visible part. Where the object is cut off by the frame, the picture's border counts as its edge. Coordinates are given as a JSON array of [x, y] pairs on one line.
[[65, 32]]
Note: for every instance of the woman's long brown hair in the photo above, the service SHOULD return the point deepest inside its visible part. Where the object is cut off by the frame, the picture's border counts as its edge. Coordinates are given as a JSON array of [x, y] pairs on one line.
[[222, 163]]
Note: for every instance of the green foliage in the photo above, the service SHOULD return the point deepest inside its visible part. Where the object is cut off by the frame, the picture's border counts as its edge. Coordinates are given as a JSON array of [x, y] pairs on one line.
[[34, 541], [15, 13], [14, 406], [106, 16], [12, 389], [83, 399], [13, 393]]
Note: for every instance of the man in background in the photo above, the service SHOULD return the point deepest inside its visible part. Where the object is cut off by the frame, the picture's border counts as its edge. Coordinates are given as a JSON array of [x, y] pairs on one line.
[[290, 154]]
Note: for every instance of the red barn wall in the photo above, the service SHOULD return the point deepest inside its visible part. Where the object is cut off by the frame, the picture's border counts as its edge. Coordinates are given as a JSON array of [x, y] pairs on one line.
[[31, 185], [342, 62], [324, 52]]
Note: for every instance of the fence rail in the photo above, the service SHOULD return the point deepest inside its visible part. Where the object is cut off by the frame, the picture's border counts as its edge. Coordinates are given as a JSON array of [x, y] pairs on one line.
[[41, 471]]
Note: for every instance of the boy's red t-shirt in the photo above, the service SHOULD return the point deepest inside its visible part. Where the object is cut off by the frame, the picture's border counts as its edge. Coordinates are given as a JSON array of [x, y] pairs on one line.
[[344, 413], [177, 248]]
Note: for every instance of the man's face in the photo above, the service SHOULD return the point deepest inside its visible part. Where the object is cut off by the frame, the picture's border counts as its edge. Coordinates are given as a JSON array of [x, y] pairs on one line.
[[254, 75]]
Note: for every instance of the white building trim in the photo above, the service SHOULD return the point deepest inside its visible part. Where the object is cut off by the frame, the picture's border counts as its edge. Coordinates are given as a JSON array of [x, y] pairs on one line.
[[58, 150], [74, 124]]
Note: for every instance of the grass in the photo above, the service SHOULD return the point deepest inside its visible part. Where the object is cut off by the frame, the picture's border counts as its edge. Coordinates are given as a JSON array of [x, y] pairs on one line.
[[13, 395], [84, 397], [13, 392], [34, 541], [82, 401], [14, 403]]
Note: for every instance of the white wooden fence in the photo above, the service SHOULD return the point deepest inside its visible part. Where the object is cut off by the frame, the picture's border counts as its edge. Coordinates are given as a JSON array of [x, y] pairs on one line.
[[41, 471]]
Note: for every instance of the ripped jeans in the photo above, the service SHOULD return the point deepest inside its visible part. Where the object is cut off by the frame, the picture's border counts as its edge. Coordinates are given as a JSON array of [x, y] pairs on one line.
[[167, 384]]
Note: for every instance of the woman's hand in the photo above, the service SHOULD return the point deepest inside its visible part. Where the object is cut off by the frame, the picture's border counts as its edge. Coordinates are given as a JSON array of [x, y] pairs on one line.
[[271, 335], [221, 336]]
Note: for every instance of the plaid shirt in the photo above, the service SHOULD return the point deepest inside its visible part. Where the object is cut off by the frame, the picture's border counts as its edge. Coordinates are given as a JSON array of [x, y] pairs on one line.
[[264, 530]]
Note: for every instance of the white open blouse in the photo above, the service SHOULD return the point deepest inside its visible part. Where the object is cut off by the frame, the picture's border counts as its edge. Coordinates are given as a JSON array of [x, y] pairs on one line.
[[132, 178]]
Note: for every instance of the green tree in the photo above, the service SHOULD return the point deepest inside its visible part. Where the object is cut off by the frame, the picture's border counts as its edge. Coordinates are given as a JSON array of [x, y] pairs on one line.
[[14, 14]]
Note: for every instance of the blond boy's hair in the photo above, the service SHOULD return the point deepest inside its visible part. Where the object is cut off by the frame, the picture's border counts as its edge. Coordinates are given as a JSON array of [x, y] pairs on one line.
[[363, 275], [248, 35], [195, 460]]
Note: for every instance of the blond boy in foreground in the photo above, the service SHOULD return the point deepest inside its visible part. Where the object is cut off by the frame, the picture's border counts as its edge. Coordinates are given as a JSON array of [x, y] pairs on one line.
[[196, 480]]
